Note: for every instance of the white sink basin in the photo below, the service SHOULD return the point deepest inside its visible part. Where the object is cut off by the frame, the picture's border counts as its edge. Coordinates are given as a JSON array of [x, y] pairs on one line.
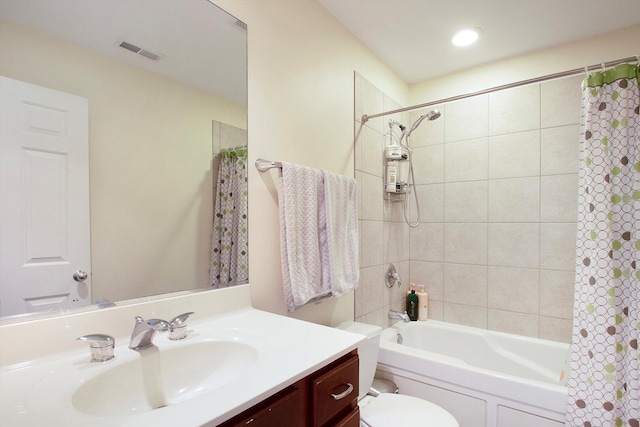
[[160, 378], [226, 364]]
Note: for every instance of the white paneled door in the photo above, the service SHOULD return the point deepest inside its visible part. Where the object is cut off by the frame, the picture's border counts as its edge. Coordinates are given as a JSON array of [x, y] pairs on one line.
[[44, 199]]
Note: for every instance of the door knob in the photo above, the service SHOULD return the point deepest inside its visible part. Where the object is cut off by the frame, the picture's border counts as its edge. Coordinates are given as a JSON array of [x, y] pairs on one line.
[[80, 276]]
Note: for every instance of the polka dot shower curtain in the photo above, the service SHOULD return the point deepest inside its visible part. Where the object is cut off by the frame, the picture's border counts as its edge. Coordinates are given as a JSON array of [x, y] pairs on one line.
[[230, 242], [604, 388]]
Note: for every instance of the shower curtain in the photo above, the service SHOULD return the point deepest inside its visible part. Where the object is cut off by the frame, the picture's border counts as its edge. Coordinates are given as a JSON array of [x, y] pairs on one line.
[[230, 244], [604, 380]]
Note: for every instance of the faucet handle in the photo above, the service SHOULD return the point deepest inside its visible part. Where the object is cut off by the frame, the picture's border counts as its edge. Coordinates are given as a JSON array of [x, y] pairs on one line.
[[101, 346], [158, 324], [178, 326]]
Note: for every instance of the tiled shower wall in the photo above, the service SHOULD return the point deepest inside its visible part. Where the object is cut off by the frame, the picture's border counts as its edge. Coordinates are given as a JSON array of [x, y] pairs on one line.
[[496, 181]]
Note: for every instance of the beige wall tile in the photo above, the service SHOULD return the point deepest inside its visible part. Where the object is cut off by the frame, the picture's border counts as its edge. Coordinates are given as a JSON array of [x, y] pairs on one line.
[[560, 101], [514, 155], [466, 160], [371, 288], [370, 192], [431, 275], [465, 243], [429, 132], [560, 150], [465, 201], [514, 110], [436, 310], [371, 241], [557, 293], [465, 315], [498, 198], [514, 245], [431, 199], [370, 100], [554, 329], [558, 246], [428, 164], [513, 323], [465, 284], [559, 198], [514, 200], [466, 119], [371, 147], [427, 242], [396, 242], [514, 289]]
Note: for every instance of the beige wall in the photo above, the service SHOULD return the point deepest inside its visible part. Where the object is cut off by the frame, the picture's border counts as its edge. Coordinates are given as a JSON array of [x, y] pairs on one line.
[[301, 67], [150, 163], [607, 47]]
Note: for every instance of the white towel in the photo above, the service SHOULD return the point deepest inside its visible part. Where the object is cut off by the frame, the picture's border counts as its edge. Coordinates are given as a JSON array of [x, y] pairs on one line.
[[340, 253], [301, 189], [318, 234]]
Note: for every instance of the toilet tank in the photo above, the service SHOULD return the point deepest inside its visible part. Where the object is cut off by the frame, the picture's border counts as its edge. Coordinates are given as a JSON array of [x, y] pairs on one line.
[[367, 352]]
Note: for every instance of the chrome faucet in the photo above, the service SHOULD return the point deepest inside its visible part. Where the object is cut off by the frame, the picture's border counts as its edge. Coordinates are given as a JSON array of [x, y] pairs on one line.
[[398, 315], [143, 333]]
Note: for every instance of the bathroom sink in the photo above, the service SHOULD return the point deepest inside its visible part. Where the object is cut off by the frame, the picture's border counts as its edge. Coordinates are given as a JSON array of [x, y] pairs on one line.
[[160, 378]]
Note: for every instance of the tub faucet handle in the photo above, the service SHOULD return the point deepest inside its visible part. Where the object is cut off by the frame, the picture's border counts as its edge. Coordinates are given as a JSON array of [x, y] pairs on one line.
[[392, 277], [101, 346]]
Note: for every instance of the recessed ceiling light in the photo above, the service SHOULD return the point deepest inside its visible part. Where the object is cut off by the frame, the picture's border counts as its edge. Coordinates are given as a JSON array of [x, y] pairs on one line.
[[465, 37]]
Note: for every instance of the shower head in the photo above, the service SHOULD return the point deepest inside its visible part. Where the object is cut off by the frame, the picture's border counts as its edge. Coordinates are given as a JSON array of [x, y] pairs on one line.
[[431, 115]]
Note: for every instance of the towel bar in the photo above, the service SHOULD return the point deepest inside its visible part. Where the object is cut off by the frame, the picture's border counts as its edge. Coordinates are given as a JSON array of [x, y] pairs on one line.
[[264, 165]]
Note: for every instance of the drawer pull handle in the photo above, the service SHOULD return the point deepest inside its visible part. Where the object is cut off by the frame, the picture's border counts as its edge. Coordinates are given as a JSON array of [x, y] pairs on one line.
[[344, 393]]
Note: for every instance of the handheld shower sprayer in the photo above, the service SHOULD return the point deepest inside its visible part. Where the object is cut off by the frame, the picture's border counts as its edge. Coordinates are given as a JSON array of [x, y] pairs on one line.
[[431, 115]]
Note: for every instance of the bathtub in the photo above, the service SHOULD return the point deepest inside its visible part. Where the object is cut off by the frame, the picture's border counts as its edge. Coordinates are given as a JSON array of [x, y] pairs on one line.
[[484, 378]]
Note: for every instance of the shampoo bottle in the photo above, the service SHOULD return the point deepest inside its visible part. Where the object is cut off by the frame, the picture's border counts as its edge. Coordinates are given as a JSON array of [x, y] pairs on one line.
[[423, 303], [412, 305], [412, 287]]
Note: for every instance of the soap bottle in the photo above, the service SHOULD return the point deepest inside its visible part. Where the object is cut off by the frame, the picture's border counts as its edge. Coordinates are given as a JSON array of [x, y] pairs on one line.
[[412, 287], [423, 303], [412, 305]]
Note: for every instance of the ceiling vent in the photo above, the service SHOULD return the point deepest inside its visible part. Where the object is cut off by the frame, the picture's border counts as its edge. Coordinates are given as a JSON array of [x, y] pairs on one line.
[[138, 50]]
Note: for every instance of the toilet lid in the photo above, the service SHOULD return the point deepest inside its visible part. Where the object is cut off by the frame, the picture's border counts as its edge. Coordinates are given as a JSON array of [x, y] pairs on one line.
[[390, 409]]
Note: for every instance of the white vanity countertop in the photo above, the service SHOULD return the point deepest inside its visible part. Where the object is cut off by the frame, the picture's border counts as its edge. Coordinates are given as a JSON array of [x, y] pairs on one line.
[[40, 392]]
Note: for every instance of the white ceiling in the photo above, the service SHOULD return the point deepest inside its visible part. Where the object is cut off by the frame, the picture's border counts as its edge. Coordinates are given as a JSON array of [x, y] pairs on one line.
[[199, 43], [413, 36]]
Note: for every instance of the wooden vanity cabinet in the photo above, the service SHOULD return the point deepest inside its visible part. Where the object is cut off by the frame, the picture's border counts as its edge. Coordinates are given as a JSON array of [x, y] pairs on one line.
[[328, 397]]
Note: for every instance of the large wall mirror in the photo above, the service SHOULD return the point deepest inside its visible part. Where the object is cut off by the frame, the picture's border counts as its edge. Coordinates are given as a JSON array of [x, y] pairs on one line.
[[164, 87]]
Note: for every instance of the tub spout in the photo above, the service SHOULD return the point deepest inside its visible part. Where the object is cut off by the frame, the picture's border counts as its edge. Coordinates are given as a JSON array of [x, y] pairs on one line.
[[398, 315]]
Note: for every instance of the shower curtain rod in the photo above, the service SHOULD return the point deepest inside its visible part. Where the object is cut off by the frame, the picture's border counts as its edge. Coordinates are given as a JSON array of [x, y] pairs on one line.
[[366, 117]]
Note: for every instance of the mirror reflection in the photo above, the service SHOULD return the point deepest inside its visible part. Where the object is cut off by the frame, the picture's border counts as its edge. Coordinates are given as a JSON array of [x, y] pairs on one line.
[[159, 88]]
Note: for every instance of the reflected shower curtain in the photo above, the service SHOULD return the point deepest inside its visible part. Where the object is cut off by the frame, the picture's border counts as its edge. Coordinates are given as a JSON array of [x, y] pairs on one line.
[[230, 243], [604, 388]]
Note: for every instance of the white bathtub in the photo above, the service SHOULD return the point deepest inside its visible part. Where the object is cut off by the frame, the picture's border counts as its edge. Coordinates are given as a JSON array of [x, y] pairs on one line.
[[484, 378]]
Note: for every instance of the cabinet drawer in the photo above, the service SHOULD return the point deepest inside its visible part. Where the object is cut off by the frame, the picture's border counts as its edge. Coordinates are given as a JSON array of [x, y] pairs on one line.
[[280, 410], [335, 392], [351, 420]]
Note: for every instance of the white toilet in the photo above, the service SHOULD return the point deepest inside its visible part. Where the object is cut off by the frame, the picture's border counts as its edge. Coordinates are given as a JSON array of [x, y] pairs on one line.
[[389, 409]]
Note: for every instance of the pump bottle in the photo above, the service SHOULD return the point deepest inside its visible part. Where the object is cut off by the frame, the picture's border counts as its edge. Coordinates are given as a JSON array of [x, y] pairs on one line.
[[423, 303]]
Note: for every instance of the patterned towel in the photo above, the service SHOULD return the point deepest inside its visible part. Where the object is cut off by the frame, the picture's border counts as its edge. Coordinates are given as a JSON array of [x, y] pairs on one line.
[[301, 189]]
